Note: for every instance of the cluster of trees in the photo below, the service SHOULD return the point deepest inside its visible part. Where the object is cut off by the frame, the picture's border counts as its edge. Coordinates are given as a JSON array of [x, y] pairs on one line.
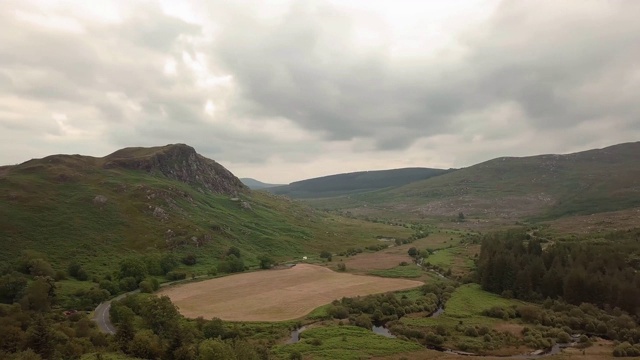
[[34, 335], [585, 318], [150, 327], [379, 309], [602, 272], [30, 282], [232, 262]]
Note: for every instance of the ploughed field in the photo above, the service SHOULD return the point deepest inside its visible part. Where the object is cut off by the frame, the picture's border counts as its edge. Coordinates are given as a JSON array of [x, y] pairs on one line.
[[275, 295]]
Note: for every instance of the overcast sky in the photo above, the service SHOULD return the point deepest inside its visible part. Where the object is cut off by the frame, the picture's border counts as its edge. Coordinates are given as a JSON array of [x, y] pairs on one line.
[[286, 90]]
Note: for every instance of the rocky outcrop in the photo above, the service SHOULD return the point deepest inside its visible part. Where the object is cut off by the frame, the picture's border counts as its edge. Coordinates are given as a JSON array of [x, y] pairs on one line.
[[178, 162]]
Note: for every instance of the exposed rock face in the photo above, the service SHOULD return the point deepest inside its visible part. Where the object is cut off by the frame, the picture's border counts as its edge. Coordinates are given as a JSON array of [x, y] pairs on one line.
[[179, 162]]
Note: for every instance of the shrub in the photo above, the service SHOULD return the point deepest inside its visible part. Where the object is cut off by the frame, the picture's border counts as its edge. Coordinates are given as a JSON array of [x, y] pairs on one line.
[[176, 275], [363, 321], [339, 312], [471, 331], [342, 267], [189, 260]]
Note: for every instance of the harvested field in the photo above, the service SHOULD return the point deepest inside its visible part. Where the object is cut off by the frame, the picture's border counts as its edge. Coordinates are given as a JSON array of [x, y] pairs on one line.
[[275, 295]]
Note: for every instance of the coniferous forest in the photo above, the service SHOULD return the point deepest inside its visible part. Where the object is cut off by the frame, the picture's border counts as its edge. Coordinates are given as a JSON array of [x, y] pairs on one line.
[[603, 272]]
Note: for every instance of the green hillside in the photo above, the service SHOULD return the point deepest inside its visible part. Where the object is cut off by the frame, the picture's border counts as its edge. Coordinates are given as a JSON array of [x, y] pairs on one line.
[[155, 200], [356, 182], [544, 186]]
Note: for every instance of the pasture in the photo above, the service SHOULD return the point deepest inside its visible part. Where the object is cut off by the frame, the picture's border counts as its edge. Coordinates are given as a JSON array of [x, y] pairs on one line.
[[275, 295]]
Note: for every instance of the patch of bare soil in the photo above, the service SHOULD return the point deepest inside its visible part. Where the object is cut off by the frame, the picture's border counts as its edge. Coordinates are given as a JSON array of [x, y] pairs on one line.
[[275, 295]]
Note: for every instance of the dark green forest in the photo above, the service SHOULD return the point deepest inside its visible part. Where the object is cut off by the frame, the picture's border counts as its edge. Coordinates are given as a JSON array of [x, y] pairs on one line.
[[602, 271]]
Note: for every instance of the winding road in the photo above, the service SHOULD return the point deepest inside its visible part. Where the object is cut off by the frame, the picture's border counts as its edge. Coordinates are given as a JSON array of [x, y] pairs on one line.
[[101, 314], [102, 319]]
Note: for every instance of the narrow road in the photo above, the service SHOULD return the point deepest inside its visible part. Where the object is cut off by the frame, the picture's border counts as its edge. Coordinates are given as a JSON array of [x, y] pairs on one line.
[[101, 315], [102, 318]]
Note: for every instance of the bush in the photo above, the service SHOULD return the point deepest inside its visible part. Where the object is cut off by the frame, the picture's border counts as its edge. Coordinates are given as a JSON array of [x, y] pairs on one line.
[[363, 321], [128, 284], [176, 275], [339, 312], [189, 260], [149, 285], [342, 267], [471, 331]]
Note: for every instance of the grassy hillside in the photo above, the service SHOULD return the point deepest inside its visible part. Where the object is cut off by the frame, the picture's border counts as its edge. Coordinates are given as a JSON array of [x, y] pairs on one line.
[[73, 207], [544, 186], [351, 183]]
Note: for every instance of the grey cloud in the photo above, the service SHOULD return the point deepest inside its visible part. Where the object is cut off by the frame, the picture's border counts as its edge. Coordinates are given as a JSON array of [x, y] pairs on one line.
[[303, 68]]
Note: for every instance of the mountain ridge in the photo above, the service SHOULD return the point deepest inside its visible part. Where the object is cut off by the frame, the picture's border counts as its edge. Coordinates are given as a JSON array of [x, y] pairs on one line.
[[536, 187], [354, 182], [254, 184]]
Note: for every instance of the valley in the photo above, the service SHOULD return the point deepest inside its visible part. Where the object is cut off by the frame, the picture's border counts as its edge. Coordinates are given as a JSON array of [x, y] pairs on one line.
[[499, 259]]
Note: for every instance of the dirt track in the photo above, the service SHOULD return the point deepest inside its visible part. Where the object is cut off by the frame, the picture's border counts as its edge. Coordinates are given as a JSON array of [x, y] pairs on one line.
[[275, 295]]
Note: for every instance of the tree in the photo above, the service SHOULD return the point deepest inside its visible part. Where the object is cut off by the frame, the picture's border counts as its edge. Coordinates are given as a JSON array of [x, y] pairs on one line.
[[11, 286], [168, 262], [133, 267], [213, 329], [77, 271], [413, 252], [214, 349], [40, 267], [161, 315], [460, 216], [233, 251], [39, 294], [342, 267], [326, 255], [189, 259], [266, 262], [40, 337], [234, 264], [145, 345]]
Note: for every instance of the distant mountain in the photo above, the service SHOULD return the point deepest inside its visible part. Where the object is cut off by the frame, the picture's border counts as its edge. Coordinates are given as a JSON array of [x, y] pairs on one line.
[[544, 186], [355, 182], [254, 184]]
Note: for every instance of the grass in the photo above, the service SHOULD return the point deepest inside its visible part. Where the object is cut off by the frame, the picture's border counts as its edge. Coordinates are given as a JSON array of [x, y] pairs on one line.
[[443, 258], [343, 343], [466, 304], [408, 271], [470, 300]]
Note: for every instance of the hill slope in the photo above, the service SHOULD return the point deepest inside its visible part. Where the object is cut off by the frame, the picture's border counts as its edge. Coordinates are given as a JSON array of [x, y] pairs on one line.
[[544, 186], [254, 184], [351, 183], [152, 200]]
